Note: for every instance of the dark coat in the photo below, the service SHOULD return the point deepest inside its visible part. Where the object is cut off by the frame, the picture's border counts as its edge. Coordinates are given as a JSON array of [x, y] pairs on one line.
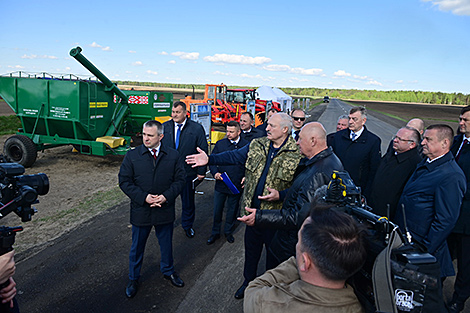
[[463, 223], [141, 175], [235, 172], [192, 136], [254, 133], [310, 175], [393, 173], [262, 128], [432, 198], [360, 158]]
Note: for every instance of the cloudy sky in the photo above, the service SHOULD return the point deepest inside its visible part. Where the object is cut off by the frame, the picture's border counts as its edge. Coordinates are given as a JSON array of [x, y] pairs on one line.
[[362, 44]]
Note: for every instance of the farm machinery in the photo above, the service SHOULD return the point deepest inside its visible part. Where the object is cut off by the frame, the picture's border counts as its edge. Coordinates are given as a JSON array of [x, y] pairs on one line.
[[240, 98], [94, 116], [228, 104]]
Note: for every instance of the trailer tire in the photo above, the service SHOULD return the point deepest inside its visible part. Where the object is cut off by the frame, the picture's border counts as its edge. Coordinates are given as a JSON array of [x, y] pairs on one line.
[[20, 149]]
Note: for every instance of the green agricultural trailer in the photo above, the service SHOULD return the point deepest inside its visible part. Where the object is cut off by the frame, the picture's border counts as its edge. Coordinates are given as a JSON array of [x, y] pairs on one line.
[[96, 117]]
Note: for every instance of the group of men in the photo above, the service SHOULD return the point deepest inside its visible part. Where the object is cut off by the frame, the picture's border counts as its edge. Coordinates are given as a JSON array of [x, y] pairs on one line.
[[275, 186]]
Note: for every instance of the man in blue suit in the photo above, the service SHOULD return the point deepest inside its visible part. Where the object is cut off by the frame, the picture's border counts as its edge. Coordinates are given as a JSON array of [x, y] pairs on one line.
[[185, 136], [433, 195], [222, 193], [152, 175]]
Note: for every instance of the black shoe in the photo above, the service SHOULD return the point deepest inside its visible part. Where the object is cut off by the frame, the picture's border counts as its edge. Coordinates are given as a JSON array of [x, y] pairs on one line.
[[175, 280], [240, 292], [212, 239], [230, 239], [131, 288], [189, 232], [455, 307]]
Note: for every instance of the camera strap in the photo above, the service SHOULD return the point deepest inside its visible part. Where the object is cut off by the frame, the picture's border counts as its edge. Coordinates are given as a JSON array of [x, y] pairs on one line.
[[382, 278]]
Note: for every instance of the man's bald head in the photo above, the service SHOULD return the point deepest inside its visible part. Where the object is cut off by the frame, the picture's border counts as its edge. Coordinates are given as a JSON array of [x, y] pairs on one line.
[[417, 124], [312, 139]]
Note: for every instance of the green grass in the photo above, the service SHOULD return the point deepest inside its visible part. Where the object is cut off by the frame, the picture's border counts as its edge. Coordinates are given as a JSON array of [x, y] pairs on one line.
[[9, 124]]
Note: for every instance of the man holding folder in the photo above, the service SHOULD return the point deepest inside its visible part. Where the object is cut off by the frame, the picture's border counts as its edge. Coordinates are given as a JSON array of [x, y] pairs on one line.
[[228, 182]]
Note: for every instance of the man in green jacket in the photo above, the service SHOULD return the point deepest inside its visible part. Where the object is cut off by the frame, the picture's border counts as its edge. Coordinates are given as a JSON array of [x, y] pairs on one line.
[[329, 251], [270, 162]]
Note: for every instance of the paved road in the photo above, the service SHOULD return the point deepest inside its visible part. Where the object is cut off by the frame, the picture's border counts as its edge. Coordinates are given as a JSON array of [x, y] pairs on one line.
[[86, 269]]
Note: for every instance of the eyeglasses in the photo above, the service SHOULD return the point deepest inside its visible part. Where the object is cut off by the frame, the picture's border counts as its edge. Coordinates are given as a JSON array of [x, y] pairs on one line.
[[298, 118], [401, 139]]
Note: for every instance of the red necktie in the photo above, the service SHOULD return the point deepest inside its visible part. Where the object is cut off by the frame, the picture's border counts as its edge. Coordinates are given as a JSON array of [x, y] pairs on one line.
[[465, 141], [154, 153]]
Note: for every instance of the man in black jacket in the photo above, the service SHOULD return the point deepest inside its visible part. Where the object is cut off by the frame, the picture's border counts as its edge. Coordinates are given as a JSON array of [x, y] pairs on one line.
[[394, 171], [459, 239], [185, 136], [248, 131], [313, 171], [222, 194], [152, 175]]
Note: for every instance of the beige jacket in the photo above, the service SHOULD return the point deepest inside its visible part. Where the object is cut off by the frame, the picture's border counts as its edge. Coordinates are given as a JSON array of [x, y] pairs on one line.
[[282, 290]]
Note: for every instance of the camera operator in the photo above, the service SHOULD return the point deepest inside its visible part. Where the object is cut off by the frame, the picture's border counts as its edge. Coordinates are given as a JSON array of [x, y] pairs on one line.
[[7, 270]]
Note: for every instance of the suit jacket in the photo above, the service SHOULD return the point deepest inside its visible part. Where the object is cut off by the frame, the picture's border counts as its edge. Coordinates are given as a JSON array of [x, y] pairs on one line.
[[360, 158], [393, 173], [432, 198], [192, 136], [254, 133], [235, 172], [463, 223], [141, 175]]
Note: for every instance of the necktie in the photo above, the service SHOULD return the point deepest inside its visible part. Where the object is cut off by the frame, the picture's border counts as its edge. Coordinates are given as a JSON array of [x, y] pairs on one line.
[[178, 133], [353, 136], [154, 153], [296, 135], [465, 141]]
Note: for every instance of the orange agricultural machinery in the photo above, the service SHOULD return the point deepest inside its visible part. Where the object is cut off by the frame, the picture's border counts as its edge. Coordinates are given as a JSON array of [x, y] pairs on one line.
[[215, 95]]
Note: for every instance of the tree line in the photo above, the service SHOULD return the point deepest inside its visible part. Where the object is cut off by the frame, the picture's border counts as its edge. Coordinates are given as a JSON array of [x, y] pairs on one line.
[[391, 95]]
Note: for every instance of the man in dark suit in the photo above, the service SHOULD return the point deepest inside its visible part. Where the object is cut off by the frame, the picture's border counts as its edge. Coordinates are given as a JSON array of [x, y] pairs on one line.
[[394, 171], [433, 195], [342, 123], [358, 149], [248, 131], [222, 193], [298, 120], [152, 175], [185, 136], [459, 239]]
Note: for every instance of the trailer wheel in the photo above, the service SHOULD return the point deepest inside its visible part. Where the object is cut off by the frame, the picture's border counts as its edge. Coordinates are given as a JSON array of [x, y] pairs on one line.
[[20, 149]]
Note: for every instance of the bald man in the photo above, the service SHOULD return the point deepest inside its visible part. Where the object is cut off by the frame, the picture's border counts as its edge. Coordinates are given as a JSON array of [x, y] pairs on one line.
[[313, 171]]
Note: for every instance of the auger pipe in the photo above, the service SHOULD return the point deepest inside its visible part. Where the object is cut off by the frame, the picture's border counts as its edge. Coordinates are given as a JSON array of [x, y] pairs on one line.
[[76, 53]]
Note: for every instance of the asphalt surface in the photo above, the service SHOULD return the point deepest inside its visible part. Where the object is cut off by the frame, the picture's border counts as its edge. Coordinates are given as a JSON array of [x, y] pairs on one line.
[[86, 269]]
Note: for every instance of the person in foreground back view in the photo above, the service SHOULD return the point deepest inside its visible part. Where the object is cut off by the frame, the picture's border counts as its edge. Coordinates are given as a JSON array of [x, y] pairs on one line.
[[330, 250]]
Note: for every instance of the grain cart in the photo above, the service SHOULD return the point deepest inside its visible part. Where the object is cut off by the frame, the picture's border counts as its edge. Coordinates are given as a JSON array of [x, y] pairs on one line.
[[96, 117]]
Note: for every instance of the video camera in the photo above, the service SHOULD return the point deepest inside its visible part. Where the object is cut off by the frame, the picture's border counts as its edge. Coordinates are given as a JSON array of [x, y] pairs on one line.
[[398, 275], [17, 193]]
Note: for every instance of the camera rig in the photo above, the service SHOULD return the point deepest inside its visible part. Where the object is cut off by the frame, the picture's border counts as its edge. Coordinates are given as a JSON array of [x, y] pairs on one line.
[[399, 275], [17, 193]]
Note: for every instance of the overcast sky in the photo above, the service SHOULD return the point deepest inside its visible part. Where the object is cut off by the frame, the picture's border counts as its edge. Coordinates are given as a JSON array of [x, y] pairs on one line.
[[363, 44]]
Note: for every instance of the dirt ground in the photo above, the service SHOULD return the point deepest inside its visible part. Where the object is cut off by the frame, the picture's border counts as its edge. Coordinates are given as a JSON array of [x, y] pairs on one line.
[[82, 186]]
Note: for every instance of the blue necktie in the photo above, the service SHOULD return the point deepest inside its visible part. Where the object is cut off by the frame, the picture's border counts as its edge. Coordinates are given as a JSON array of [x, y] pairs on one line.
[[353, 136], [178, 133]]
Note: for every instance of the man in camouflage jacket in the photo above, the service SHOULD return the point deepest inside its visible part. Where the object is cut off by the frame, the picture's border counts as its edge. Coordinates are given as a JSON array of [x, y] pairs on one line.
[[270, 162]]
